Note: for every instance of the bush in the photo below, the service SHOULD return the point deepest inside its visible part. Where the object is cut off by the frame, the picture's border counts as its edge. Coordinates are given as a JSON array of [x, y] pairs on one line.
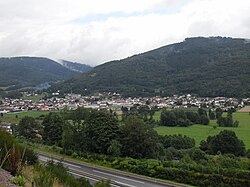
[[19, 180], [177, 141], [74, 155], [198, 155]]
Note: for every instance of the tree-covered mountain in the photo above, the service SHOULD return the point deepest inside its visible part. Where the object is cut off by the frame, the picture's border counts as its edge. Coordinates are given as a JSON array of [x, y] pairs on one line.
[[31, 71], [74, 66], [213, 66]]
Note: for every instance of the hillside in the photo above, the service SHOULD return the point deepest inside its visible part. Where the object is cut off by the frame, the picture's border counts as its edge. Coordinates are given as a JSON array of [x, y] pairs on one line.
[[31, 71], [74, 66], [213, 66]]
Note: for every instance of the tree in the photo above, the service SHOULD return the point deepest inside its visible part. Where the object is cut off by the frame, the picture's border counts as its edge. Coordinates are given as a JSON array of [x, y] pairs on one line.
[[67, 136], [193, 116], [204, 120], [168, 118], [28, 127], [53, 127], [218, 112], [124, 112], [176, 118], [201, 112], [115, 148], [198, 155], [225, 142], [138, 139], [100, 129], [177, 141], [227, 121], [211, 114]]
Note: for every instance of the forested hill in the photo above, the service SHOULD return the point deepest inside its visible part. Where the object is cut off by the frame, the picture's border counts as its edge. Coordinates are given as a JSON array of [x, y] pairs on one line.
[[31, 71], [213, 66], [74, 66]]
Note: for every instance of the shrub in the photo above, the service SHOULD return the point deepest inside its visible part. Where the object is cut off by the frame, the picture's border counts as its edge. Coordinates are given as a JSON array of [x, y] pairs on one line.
[[43, 178], [74, 155], [19, 180]]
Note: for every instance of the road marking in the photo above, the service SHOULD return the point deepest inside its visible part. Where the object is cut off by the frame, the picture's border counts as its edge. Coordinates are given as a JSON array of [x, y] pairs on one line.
[[75, 166], [83, 176], [118, 177], [55, 160], [97, 180], [124, 184]]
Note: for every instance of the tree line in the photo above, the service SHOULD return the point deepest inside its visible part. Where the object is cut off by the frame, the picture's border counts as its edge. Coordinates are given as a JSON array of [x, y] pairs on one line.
[[94, 135]]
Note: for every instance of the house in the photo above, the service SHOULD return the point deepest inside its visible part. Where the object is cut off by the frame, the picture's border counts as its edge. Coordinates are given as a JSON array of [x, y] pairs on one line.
[[6, 127]]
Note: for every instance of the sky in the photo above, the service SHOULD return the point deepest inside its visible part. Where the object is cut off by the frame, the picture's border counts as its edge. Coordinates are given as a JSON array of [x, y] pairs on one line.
[[97, 31]]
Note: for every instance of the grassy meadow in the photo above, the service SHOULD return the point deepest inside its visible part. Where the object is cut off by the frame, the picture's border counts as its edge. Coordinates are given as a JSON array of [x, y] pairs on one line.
[[15, 118], [201, 132]]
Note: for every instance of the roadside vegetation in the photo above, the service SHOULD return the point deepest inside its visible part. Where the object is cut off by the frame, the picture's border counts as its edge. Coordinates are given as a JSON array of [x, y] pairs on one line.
[[23, 164]]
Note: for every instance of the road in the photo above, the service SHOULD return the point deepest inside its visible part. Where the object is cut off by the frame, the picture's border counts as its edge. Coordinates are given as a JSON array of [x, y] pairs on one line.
[[118, 178]]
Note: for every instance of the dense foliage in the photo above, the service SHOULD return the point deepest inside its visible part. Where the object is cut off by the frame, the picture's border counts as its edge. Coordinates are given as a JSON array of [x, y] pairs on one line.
[[139, 140], [212, 66], [28, 127], [100, 129], [225, 142], [177, 141], [53, 127], [181, 118]]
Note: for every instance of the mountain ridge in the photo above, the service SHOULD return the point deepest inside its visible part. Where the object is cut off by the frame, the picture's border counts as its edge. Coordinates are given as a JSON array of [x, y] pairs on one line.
[[25, 71], [211, 66]]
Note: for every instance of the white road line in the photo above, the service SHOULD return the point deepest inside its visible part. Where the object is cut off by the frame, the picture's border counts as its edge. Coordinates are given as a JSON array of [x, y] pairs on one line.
[[75, 166], [83, 176], [98, 180], [118, 176], [55, 160], [80, 175], [124, 184]]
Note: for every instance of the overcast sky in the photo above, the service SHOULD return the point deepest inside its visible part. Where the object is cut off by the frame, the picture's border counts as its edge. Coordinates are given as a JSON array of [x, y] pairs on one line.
[[97, 31]]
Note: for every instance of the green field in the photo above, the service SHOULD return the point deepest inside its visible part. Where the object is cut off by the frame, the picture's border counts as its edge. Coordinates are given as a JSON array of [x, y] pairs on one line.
[[11, 118], [201, 132]]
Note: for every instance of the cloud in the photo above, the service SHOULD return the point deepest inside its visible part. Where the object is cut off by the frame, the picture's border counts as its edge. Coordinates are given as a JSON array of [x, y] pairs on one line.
[[97, 31]]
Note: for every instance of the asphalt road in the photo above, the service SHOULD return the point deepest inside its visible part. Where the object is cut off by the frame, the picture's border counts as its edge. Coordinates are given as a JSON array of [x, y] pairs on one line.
[[94, 174]]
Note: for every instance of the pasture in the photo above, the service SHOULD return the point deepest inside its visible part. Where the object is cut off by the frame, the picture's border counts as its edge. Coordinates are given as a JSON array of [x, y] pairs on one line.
[[15, 118], [201, 132]]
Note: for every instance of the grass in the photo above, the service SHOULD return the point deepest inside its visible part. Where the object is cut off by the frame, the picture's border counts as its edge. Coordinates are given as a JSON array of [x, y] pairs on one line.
[[30, 173], [11, 118], [157, 115], [201, 132], [30, 113]]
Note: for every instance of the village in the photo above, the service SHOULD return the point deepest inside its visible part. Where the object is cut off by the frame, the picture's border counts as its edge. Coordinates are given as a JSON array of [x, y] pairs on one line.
[[115, 101]]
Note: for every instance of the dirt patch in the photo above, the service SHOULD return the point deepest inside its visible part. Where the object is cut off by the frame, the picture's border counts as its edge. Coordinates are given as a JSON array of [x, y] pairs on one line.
[[245, 109], [6, 179]]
